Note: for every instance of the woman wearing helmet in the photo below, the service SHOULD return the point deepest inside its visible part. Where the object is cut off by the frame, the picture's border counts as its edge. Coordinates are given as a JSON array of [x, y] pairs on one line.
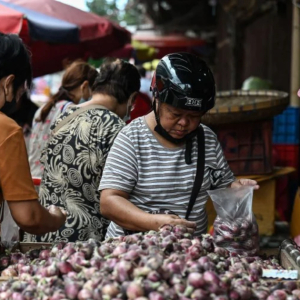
[[152, 165]]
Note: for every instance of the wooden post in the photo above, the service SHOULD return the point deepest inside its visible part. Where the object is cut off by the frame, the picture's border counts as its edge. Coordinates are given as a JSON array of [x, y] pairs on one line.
[[295, 61]]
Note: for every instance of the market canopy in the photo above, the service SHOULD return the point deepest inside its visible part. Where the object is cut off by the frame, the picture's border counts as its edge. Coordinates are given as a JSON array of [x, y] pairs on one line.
[[56, 32], [166, 44]]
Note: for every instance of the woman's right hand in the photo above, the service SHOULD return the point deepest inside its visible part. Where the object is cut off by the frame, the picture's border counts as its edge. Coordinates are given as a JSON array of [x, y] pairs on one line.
[[163, 219], [33, 218]]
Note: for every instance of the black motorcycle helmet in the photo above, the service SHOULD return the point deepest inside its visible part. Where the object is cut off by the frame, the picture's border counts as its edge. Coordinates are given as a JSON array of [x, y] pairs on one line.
[[184, 81]]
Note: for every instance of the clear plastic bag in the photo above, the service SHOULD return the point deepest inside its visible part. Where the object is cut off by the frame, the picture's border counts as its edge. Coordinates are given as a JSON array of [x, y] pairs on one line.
[[235, 227], [9, 228]]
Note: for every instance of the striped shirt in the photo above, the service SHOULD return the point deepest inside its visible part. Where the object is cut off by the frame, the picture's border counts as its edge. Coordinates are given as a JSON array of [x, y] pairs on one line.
[[156, 177]]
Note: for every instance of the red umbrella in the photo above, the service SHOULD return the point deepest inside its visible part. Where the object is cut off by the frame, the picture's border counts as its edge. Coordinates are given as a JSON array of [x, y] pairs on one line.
[[55, 32]]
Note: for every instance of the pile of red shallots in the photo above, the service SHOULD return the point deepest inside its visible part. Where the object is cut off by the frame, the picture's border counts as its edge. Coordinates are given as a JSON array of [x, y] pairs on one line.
[[168, 264]]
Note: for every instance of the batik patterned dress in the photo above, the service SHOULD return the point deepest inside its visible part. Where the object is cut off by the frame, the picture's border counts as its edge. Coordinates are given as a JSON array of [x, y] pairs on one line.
[[73, 164]]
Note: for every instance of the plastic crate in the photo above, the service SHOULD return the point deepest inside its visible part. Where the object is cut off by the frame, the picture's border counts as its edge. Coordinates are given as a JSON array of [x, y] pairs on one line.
[[286, 127], [37, 182], [247, 147], [286, 156]]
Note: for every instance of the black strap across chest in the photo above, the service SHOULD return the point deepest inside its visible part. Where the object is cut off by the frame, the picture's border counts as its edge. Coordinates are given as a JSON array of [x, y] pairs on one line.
[[200, 171]]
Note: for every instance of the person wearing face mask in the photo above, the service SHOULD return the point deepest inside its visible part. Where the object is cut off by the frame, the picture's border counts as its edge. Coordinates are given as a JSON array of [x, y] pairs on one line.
[[160, 166], [16, 186], [76, 153], [76, 86]]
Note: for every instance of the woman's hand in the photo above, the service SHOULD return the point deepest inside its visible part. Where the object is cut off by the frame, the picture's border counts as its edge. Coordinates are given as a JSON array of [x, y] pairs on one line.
[[162, 219], [33, 218], [59, 214], [245, 182]]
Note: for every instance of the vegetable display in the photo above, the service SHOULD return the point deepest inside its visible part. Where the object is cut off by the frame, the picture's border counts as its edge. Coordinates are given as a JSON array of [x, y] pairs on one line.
[[168, 264]]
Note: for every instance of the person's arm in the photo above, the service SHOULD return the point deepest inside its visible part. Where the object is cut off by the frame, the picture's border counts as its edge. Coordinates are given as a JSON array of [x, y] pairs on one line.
[[17, 189], [33, 218], [115, 207]]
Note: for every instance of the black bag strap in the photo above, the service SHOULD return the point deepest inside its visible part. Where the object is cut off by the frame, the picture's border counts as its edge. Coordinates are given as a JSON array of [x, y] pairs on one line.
[[200, 171], [2, 210]]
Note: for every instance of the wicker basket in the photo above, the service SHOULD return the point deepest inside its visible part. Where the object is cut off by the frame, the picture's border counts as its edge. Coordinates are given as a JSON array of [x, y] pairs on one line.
[[238, 106]]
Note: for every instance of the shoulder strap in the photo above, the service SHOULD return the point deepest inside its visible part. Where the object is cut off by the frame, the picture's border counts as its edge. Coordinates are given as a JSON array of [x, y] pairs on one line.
[[74, 114], [2, 210], [200, 171]]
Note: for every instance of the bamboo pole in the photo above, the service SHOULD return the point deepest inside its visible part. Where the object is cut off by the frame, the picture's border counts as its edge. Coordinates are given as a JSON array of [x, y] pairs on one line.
[[295, 59]]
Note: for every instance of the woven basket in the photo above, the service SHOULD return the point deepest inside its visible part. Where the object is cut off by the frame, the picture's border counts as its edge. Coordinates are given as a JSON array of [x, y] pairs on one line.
[[238, 106]]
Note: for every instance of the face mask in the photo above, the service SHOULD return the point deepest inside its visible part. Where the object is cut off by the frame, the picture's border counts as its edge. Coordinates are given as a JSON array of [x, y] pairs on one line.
[[127, 116], [187, 139], [9, 107]]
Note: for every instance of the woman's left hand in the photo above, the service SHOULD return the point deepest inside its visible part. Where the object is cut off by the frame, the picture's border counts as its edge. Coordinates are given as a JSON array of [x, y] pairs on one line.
[[245, 182]]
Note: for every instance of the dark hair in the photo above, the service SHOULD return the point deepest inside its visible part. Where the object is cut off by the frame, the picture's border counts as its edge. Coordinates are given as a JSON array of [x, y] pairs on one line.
[[117, 78], [74, 76], [141, 70], [25, 111], [15, 60]]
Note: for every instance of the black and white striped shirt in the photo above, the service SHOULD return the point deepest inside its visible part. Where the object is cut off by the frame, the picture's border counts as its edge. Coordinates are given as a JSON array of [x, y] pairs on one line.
[[157, 177]]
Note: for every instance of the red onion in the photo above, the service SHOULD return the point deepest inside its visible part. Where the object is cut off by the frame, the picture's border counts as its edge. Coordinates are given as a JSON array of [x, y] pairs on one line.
[[154, 276], [44, 254], [85, 295], [155, 296], [72, 289], [134, 290], [200, 294], [120, 249], [290, 286], [111, 290], [196, 280], [296, 293], [185, 243], [211, 277], [195, 251], [17, 296], [279, 294], [261, 294], [123, 270]]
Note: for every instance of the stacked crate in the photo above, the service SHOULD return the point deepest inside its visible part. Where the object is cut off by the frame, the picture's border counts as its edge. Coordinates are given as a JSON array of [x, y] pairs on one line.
[[286, 139]]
